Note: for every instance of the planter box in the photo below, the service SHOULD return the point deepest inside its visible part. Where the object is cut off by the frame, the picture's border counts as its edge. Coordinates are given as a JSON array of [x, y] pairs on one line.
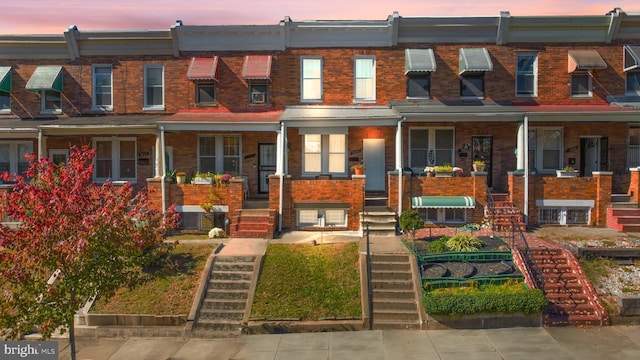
[[203, 181], [566, 174], [444, 174]]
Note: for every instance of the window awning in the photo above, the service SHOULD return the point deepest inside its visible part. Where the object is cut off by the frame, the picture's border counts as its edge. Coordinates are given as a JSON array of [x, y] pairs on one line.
[[419, 60], [631, 57], [257, 67], [203, 69], [5, 78], [475, 60], [438, 202], [46, 78], [585, 60]]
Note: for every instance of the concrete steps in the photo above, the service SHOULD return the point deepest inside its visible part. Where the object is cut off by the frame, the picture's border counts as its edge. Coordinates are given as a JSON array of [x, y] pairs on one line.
[[381, 221]]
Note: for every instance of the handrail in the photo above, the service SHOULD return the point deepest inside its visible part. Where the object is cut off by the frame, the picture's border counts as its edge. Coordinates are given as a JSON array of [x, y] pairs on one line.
[[369, 283]]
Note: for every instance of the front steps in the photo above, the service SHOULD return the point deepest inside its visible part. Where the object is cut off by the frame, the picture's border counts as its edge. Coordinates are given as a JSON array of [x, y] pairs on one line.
[[379, 220], [505, 214], [225, 304], [625, 219], [253, 223], [395, 303]]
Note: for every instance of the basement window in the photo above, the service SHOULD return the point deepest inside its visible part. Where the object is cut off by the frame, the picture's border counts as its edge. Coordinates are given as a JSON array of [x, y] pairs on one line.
[[322, 217], [564, 215]]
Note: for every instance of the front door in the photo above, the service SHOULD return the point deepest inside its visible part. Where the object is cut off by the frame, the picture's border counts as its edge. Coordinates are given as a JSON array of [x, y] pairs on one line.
[[593, 155], [266, 165], [373, 160], [482, 149]]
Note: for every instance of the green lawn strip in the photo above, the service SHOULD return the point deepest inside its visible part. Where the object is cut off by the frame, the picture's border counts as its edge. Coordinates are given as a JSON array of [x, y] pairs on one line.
[[597, 268], [308, 282], [167, 292]]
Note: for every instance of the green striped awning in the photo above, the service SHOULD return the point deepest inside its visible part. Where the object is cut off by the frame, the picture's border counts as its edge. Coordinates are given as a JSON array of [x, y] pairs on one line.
[[436, 202], [46, 78], [5, 78], [475, 60], [419, 60]]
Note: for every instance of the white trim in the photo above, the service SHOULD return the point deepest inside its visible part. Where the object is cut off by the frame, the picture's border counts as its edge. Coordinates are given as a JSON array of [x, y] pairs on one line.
[[198, 209], [64, 152], [115, 159], [372, 98], [146, 106], [535, 73], [303, 98], [95, 107], [565, 203], [431, 143], [43, 102], [14, 155], [589, 84], [219, 152]]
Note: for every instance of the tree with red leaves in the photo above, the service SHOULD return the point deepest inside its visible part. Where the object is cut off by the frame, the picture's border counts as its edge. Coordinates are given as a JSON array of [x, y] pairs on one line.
[[72, 240]]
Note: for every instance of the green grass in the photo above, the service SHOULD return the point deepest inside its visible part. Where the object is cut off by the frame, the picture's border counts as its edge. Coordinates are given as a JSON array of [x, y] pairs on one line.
[[596, 268], [165, 291], [308, 282]]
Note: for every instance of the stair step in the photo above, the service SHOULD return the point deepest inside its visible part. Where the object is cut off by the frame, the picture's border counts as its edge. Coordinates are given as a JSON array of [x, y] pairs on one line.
[[391, 275], [383, 324], [231, 275], [560, 278], [219, 325], [390, 258], [573, 320], [218, 294], [395, 304], [549, 259], [382, 294], [389, 266], [392, 284], [575, 288], [555, 268], [230, 284], [398, 315], [567, 298], [221, 314], [224, 304], [630, 228], [236, 259], [571, 309], [546, 251]]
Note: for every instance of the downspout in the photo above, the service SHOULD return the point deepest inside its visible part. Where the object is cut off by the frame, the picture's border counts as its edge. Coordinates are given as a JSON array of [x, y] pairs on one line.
[[399, 162], [526, 170], [282, 145], [164, 172], [40, 144]]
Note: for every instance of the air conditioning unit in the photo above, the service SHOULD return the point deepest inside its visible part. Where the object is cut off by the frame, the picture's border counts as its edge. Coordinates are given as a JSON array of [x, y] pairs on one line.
[[258, 98]]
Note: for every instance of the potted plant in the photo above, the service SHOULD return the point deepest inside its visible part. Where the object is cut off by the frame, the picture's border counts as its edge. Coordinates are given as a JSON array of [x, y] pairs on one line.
[[181, 177], [358, 169], [479, 165], [567, 171], [203, 178], [445, 170]]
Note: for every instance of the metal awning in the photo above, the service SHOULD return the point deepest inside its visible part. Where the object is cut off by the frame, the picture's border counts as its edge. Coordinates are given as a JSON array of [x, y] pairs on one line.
[[257, 67], [46, 78], [5, 78], [631, 57], [475, 60], [585, 60], [419, 60], [203, 69], [439, 202]]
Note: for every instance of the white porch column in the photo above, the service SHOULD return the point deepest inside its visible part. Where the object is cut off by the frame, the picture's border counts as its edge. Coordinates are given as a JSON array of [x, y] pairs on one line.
[[280, 151], [522, 140], [158, 156], [399, 163]]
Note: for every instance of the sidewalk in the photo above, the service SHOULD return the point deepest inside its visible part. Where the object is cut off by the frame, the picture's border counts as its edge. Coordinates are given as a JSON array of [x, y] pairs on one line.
[[615, 342]]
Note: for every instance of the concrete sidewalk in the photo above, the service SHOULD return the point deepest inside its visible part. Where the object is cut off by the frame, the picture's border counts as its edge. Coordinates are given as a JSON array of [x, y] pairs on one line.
[[615, 342]]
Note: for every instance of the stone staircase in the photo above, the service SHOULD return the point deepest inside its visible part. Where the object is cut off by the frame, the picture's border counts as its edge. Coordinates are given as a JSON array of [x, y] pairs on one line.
[[381, 221], [253, 223], [504, 214], [225, 305], [396, 304]]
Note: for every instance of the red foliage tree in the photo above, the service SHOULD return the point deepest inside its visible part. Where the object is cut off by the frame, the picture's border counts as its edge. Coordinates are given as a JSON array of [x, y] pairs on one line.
[[95, 237]]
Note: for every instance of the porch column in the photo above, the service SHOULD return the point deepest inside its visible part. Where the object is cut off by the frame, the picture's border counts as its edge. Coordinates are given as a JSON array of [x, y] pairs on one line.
[[280, 151], [520, 155], [399, 163], [158, 157]]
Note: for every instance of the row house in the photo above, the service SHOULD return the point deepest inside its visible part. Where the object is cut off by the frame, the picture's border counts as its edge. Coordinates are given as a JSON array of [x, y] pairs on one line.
[[288, 109]]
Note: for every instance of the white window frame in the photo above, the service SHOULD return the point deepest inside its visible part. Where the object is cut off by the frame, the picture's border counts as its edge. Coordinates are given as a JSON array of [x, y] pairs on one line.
[[44, 94], [432, 150], [310, 81], [325, 155], [115, 159], [219, 154], [539, 149], [561, 215], [56, 152], [8, 97], [94, 77], [320, 217], [525, 73], [581, 74], [441, 215], [147, 106], [364, 80], [252, 94], [635, 74], [14, 155]]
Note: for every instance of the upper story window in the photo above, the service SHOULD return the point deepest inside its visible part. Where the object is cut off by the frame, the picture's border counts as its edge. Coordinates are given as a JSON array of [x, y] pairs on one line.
[[527, 74], [472, 85], [581, 65], [51, 102], [365, 79], [102, 87], [219, 154], [153, 87], [311, 79], [545, 149], [12, 156], [5, 89], [474, 62], [115, 159], [324, 154], [257, 72], [47, 81], [430, 146], [633, 83], [581, 84], [258, 92], [204, 71], [632, 68], [418, 66]]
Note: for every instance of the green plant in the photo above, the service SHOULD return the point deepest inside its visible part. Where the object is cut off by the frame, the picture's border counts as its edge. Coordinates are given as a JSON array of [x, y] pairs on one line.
[[438, 245], [464, 242], [479, 162], [411, 221], [443, 168], [357, 166], [568, 168]]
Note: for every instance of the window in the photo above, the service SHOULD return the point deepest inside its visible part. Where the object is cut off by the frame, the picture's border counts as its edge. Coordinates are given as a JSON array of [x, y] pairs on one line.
[[322, 217], [545, 149], [580, 84], [431, 147], [258, 91], [102, 87], [206, 93], [153, 87], [59, 156], [325, 154], [472, 85], [527, 74], [633, 83], [418, 85], [12, 156], [5, 102], [115, 159], [219, 154], [311, 80], [51, 102], [450, 216], [365, 79], [564, 215], [633, 149]]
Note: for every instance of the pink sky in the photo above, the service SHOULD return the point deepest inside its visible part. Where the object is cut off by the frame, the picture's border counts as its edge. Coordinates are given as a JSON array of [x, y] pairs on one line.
[[51, 17]]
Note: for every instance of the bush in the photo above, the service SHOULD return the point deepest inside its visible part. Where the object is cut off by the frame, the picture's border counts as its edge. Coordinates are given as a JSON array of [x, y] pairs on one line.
[[439, 245], [464, 242]]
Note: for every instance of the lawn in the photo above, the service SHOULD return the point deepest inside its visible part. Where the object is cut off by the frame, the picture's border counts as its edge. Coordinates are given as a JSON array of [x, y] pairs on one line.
[[308, 282], [166, 291]]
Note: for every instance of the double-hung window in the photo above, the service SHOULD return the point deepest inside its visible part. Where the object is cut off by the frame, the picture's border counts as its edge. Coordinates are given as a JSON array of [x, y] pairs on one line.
[[472, 85], [418, 85], [527, 74], [633, 83], [311, 79], [581, 84], [51, 102], [5, 102], [5, 89], [258, 91], [545, 149], [102, 87], [12, 156], [633, 147], [430, 147], [115, 159], [153, 87], [365, 79], [219, 154], [325, 154]]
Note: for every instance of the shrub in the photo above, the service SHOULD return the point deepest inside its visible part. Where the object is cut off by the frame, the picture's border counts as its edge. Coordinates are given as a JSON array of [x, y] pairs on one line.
[[439, 245], [464, 242], [411, 221]]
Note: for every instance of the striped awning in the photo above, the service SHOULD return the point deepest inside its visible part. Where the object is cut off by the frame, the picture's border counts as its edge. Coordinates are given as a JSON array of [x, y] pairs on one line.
[[203, 69], [257, 67], [438, 202], [631, 57], [46, 78], [5, 78], [475, 60], [585, 60], [419, 60]]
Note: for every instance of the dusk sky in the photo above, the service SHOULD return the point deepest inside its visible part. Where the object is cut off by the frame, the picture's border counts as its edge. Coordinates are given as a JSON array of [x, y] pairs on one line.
[[51, 17]]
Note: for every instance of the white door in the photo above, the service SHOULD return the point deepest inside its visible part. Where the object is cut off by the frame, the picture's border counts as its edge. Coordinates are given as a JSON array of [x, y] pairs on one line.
[[373, 159], [591, 149]]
